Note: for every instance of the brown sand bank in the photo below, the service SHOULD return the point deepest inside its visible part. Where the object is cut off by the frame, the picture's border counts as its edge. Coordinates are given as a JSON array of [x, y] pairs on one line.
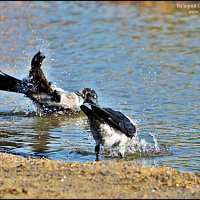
[[22, 177]]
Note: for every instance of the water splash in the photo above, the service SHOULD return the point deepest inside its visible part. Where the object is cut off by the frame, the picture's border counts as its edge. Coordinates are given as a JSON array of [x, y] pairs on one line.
[[140, 148], [155, 139]]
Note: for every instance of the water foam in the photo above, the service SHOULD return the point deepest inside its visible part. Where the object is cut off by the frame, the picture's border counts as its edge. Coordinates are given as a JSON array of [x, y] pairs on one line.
[[137, 147]]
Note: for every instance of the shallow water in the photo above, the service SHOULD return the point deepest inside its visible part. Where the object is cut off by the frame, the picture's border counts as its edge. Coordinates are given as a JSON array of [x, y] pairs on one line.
[[142, 61]]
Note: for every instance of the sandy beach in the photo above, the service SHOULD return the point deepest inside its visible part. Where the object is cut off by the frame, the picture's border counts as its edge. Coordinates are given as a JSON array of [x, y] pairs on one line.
[[26, 177]]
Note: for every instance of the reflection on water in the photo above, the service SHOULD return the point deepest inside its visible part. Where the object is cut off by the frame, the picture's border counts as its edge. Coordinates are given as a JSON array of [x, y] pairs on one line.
[[140, 60]]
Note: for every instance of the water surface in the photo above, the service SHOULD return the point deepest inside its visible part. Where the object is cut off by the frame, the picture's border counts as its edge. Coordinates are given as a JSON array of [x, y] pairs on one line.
[[140, 60]]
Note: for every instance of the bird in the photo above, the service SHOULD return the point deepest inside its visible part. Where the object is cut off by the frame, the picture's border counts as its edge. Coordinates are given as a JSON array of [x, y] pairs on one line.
[[46, 96], [108, 127]]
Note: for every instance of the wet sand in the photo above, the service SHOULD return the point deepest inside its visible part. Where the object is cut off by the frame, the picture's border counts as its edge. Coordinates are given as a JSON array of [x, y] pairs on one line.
[[22, 177]]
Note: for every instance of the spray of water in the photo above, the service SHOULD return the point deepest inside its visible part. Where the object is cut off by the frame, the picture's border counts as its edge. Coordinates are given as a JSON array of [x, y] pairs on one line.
[[137, 147]]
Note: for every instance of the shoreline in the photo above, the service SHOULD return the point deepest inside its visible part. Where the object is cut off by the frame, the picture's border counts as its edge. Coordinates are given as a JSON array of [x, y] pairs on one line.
[[27, 177]]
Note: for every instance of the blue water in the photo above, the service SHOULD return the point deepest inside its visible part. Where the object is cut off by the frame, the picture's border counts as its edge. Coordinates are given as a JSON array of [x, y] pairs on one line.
[[143, 61]]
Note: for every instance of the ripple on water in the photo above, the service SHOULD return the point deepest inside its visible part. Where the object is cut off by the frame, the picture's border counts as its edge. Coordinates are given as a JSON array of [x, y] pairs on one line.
[[139, 60]]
